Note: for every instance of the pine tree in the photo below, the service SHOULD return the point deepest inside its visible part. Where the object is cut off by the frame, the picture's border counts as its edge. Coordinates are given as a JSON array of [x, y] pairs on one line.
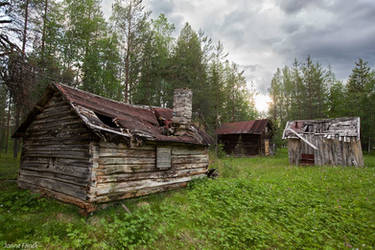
[[131, 21], [359, 95]]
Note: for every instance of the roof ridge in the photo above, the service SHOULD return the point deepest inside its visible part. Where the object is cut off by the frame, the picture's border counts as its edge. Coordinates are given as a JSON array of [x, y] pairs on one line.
[[149, 107]]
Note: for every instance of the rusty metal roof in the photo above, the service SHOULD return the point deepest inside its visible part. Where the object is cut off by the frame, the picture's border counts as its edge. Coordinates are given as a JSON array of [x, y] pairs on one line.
[[126, 120], [244, 127]]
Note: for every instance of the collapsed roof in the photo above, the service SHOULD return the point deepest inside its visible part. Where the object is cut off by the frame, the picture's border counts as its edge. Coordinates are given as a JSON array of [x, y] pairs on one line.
[[112, 119], [341, 129], [244, 127]]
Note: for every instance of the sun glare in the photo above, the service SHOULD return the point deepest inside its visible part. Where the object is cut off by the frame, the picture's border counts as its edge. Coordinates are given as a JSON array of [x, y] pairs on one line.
[[262, 102]]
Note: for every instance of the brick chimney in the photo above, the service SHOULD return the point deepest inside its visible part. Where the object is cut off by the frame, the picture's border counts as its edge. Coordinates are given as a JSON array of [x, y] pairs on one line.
[[182, 106]]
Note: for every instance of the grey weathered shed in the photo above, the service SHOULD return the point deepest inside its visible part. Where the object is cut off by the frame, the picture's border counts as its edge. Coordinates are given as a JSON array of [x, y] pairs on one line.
[[324, 142], [85, 149]]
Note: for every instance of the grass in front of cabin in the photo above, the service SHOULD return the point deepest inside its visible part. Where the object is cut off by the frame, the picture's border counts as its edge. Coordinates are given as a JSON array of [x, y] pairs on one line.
[[255, 203]]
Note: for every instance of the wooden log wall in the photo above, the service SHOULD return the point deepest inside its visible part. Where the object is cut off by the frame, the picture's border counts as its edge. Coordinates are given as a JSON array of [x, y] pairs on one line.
[[330, 151], [55, 156], [124, 172], [241, 144], [294, 151]]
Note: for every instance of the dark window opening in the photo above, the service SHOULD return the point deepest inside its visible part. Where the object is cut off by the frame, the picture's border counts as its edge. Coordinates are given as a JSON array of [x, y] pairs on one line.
[[307, 159], [106, 120]]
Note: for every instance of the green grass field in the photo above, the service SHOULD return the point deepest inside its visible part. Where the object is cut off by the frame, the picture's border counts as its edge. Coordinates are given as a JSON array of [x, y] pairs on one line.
[[255, 203]]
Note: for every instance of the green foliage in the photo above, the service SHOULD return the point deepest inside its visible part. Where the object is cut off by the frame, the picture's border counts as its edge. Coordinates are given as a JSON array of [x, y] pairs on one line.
[[258, 202], [359, 100], [220, 151], [130, 230], [21, 201]]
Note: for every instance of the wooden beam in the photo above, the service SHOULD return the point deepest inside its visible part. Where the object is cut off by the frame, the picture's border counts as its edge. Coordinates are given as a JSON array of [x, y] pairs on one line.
[[303, 139]]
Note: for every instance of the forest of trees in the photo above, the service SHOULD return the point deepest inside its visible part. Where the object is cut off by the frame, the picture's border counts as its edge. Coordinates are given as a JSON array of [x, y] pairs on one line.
[[136, 59], [130, 57], [307, 90]]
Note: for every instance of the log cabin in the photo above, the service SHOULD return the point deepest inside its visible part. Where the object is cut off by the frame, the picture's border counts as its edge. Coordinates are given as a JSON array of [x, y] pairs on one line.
[[324, 142], [246, 138], [85, 149]]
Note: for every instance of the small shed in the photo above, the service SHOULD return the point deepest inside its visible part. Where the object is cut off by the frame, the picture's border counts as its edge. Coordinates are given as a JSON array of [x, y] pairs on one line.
[[246, 138], [324, 142], [85, 149]]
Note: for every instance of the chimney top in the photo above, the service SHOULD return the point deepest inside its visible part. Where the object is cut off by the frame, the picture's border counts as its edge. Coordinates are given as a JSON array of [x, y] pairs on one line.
[[182, 106]]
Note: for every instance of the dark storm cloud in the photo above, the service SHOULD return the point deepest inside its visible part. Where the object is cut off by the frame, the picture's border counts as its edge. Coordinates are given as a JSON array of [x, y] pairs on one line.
[[264, 35], [347, 35], [295, 6]]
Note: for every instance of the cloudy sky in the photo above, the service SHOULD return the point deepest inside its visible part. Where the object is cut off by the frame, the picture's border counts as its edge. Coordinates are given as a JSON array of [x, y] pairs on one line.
[[263, 35]]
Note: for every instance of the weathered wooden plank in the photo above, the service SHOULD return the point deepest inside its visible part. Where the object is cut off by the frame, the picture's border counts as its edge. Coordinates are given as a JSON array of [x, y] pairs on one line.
[[189, 159], [117, 178], [141, 192], [94, 160], [55, 105], [76, 128], [55, 176], [57, 195], [57, 141], [66, 170], [292, 151], [69, 123], [60, 133], [125, 168], [56, 152], [77, 155], [189, 151], [357, 152], [108, 188], [124, 146], [125, 160], [55, 112], [52, 147], [190, 165], [58, 161], [53, 121], [112, 152], [58, 186]]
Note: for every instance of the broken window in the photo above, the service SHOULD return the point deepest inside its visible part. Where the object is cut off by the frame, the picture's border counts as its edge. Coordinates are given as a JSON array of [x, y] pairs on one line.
[[163, 158], [106, 120]]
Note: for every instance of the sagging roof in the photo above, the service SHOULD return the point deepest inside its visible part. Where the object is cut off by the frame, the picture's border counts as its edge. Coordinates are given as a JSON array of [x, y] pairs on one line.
[[338, 128], [119, 119], [244, 127]]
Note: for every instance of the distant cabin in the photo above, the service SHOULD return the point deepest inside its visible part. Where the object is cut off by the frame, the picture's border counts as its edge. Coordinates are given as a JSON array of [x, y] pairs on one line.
[[324, 142], [85, 149], [246, 138]]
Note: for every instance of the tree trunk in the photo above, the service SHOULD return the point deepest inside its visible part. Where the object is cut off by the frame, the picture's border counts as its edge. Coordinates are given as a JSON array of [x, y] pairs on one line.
[[44, 30], [16, 141], [25, 28], [2, 130], [369, 144], [127, 58], [7, 128]]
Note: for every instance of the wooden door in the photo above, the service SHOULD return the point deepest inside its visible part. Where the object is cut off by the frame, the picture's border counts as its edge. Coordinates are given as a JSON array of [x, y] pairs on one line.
[[266, 147]]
